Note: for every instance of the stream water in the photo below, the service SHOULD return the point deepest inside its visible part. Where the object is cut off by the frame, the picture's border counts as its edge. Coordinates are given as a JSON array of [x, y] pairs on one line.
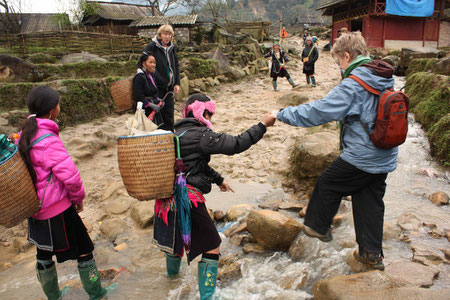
[[270, 276]]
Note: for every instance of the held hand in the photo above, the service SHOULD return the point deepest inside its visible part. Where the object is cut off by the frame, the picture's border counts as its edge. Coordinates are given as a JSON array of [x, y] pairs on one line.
[[274, 114], [155, 107], [78, 208], [225, 187], [268, 119], [176, 89]]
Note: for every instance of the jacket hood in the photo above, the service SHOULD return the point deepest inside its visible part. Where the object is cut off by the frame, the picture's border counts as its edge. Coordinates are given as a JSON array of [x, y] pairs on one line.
[[160, 46], [381, 68], [375, 77], [47, 124]]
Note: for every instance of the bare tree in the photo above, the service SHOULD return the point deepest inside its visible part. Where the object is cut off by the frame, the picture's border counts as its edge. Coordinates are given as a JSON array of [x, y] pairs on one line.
[[162, 7], [10, 18]]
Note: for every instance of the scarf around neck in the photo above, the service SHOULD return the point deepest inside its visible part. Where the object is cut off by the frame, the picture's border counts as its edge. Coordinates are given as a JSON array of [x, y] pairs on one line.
[[358, 61]]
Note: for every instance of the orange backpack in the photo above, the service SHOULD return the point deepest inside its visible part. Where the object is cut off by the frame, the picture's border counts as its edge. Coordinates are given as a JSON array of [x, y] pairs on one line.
[[391, 124]]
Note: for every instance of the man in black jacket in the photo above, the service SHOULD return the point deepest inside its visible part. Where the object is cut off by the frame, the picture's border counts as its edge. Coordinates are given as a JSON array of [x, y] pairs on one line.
[[167, 73]]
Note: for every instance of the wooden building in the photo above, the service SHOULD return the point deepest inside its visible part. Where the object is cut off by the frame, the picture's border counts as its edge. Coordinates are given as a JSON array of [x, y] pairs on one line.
[[32, 22], [182, 25], [382, 30]]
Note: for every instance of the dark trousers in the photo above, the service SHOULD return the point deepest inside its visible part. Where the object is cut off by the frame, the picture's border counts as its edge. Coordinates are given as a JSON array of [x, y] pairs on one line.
[[367, 190], [167, 111]]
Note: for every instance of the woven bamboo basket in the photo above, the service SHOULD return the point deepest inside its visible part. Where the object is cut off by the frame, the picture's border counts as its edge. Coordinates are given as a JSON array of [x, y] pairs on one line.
[[122, 93], [18, 199], [146, 164]]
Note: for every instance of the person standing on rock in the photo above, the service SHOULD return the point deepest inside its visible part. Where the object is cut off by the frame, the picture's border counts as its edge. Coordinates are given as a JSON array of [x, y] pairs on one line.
[[362, 168], [309, 57], [278, 69], [167, 72], [56, 229], [198, 142], [145, 89]]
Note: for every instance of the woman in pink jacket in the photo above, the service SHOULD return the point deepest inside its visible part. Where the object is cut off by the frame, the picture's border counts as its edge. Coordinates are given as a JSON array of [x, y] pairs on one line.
[[56, 229]]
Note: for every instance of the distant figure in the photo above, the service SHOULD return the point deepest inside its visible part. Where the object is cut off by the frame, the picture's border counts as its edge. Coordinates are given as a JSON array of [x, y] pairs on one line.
[[279, 59], [309, 57], [342, 31], [283, 34], [305, 35], [167, 73], [315, 40]]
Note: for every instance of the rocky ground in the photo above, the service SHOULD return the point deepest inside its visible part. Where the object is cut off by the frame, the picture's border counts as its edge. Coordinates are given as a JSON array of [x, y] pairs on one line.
[[416, 230]]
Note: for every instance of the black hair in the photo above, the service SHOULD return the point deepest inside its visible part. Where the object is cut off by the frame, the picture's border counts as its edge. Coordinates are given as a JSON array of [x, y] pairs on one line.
[[195, 97], [41, 100], [143, 58]]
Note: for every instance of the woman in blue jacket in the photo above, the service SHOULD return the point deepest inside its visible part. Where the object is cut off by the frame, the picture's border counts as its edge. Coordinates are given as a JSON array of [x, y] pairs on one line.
[[362, 168]]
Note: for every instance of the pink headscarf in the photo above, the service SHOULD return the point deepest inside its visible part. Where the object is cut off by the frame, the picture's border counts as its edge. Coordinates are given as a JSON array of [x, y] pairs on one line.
[[198, 109]]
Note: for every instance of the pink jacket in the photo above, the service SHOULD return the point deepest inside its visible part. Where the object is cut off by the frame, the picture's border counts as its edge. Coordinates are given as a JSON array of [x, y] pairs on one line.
[[50, 156]]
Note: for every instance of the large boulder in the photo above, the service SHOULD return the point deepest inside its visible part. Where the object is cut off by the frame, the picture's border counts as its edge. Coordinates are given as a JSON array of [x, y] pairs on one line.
[[408, 54], [14, 69], [184, 89], [272, 229], [112, 228], [234, 73], [412, 273], [442, 66], [221, 59], [81, 58], [118, 206], [293, 99], [373, 285], [439, 198], [238, 211], [313, 153]]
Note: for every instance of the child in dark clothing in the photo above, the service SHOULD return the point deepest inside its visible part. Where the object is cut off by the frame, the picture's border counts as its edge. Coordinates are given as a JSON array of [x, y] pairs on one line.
[[309, 58]]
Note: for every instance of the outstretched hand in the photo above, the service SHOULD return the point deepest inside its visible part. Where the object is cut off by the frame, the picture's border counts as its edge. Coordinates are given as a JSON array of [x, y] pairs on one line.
[[268, 119], [225, 187]]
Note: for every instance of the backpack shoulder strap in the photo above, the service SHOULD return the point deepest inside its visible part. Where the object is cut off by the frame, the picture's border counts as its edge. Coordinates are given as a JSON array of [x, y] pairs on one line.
[[40, 139], [365, 85]]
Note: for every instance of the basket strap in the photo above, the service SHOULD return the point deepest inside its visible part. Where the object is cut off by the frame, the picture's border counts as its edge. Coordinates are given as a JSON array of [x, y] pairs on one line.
[[40, 139], [177, 141], [45, 189]]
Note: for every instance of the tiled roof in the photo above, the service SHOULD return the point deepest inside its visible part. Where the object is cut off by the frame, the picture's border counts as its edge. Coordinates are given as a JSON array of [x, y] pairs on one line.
[[161, 20]]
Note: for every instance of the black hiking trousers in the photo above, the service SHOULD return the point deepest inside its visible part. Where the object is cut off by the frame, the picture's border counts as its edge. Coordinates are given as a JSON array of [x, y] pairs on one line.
[[367, 190]]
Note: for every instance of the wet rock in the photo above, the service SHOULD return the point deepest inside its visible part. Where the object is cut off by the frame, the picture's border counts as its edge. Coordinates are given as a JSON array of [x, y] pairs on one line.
[[143, 213], [439, 198], [313, 153], [426, 255], [409, 222], [391, 232], [293, 206], [373, 285], [21, 244], [219, 216], [229, 259], [121, 247], [293, 99], [109, 274], [412, 273], [111, 189], [302, 213], [81, 58], [297, 248], [294, 281], [230, 268], [111, 228], [337, 220], [238, 211], [272, 200], [272, 229], [118, 206], [251, 239], [253, 248], [227, 232], [237, 239], [355, 265], [241, 228]]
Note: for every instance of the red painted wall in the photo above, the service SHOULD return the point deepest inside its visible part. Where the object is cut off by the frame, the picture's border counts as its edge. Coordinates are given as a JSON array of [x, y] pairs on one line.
[[336, 27], [373, 29], [404, 29]]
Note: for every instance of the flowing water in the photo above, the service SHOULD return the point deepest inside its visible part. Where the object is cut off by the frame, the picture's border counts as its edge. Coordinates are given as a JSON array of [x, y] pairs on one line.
[[270, 276]]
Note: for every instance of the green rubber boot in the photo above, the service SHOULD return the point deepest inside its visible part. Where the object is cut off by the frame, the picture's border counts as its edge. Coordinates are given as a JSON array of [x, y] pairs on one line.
[[207, 277], [48, 279], [308, 81], [91, 282], [172, 264], [274, 83], [292, 83], [313, 79]]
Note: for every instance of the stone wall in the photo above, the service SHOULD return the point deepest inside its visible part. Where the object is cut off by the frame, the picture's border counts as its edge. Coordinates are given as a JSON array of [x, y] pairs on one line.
[[182, 34], [444, 34]]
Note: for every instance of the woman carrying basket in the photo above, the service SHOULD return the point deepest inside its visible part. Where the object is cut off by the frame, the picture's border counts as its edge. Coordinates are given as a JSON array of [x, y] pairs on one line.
[[56, 229], [198, 142], [279, 60], [145, 89], [309, 57]]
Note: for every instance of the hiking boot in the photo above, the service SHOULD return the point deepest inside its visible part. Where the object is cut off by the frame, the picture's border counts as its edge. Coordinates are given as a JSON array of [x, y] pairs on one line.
[[374, 261], [312, 233]]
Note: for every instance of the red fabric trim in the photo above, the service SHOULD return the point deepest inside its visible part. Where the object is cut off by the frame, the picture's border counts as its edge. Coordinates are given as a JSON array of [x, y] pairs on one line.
[[65, 234]]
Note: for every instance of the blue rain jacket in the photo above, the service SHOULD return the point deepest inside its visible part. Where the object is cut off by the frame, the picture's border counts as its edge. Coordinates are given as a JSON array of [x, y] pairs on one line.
[[344, 103]]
